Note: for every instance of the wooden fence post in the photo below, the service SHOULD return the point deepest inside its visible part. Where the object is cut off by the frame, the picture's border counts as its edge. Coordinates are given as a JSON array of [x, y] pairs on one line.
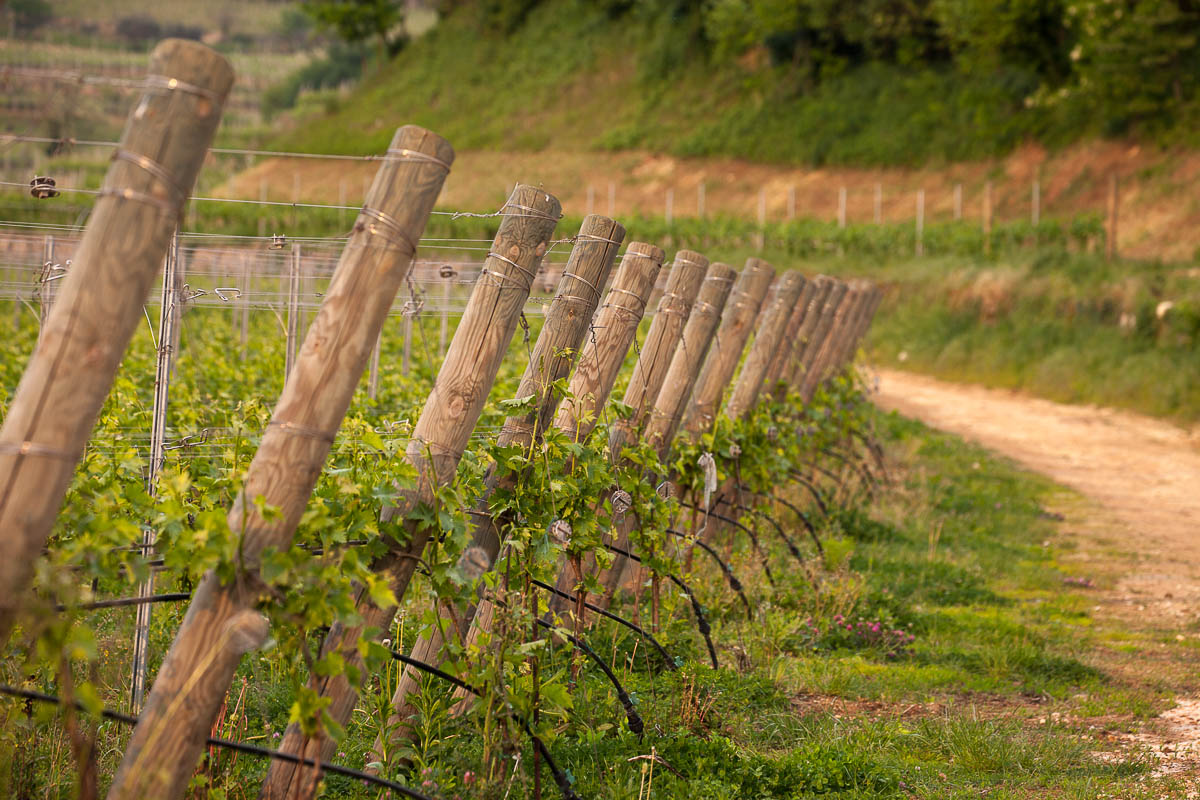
[[677, 386], [566, 327], [737, 322], [1110, 229], [772, 381], [693, 348], [768, 337], [768, 341], [920, 247], [669, 209], [987, 218], [1035, 202], [222, 622], [655, 354], [100, 302], [438, 441], [793, 367], [841, 210], [957, 202], [812, 347], [816, 372]]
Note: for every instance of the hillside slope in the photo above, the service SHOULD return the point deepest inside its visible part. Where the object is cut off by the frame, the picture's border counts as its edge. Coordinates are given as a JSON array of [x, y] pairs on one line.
[[578, 75]]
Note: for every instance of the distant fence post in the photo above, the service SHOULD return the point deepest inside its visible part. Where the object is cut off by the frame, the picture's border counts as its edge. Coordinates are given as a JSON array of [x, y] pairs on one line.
[[1035, 202], [841, 208], [987, 218], [1110, 229], [920, 247], [791, 203], [669, 212], [72, 369], [957, 202]]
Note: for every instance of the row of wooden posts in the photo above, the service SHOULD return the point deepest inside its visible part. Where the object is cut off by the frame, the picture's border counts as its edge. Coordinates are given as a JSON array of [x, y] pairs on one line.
[[804, 330]]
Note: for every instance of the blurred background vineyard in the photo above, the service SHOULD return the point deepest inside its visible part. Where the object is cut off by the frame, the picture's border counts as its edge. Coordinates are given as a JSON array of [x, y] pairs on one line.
[[808, 126]]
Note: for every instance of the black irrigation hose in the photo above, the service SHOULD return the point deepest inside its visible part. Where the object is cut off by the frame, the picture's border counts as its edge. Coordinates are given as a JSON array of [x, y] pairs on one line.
[[642, 632], [701, 621], [812, 532], [126, 601], [228, 744], [753, 536], [734, 583], [873, 448], [813, 490], [791, 546], [635, 721], [851, 460], [560, 778]]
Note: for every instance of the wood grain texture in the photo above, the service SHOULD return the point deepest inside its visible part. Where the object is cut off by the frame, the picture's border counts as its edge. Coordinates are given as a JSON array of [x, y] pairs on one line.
[[814, 371], [568, 321], [820, 331], [794, 367], [615, 324], [99, 303], [683, 284], [672, 398], [439, 438], [767, 338], [197, 671], [791, 333], [737, 322], [689, 357]]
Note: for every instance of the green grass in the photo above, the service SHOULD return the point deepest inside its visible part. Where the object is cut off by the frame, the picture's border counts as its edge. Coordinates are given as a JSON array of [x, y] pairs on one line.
[[575, 77]]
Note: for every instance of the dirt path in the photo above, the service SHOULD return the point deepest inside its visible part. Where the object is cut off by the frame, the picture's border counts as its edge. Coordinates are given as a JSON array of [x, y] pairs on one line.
[[1144, 472], [1136, 531]]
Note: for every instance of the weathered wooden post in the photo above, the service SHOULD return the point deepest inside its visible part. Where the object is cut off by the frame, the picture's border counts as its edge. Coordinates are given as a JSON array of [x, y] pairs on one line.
[[683, 284], [689, 356], [737, 322], [222, 622], [812, 347], [793, 366], [787, 345], [957, 202], [676, 388], [920, 246], [1110, 228], [438, 441], [771, 328], [100, 301], [987, 218], [817, 371], [841, 211], [566, 327]]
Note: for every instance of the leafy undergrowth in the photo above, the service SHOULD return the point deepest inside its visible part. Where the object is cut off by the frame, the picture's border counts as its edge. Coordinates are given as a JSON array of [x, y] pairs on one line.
[[979, 644]]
